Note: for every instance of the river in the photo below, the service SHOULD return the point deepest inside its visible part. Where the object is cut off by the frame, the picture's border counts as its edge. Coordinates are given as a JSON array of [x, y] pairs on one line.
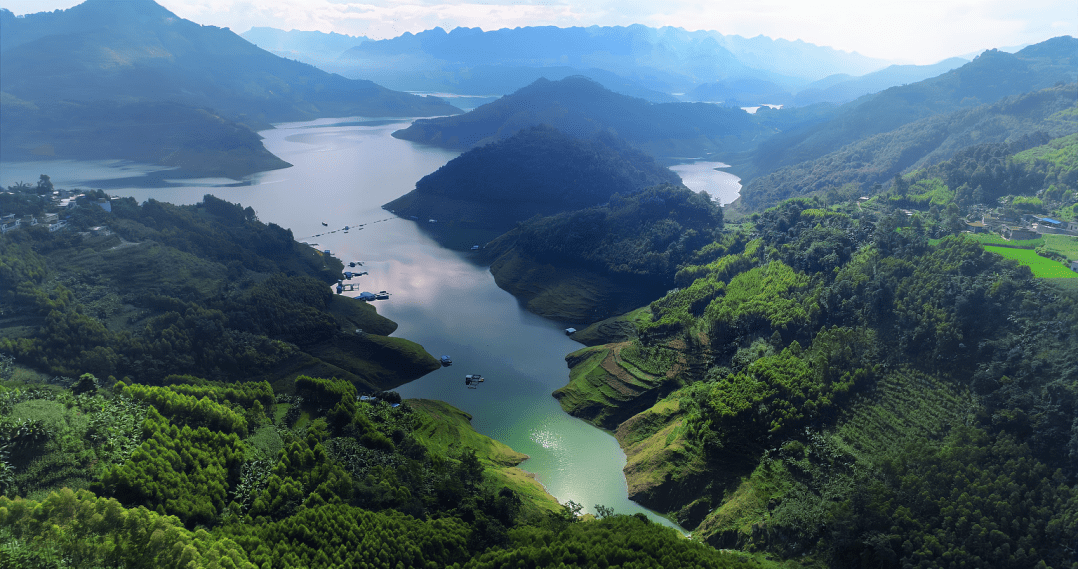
[[343, 170]]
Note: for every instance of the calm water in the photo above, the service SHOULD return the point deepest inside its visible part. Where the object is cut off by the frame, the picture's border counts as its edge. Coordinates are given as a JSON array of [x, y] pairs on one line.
[[342, 173], [723, 187]]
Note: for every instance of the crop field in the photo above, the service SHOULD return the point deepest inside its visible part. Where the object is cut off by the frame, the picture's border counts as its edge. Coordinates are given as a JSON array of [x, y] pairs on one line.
[[1065, 245], [1042, 267]]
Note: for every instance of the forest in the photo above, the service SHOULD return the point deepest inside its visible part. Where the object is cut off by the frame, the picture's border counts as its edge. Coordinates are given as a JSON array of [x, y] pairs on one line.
[[836, 373], [242, 300], [537, 171], [1020, 122], [825, 384], [198, 473], [235, 435]]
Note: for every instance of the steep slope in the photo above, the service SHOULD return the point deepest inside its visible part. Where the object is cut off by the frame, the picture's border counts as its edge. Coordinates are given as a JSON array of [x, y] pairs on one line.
[[843, 88], [877, 159], [537, 171], [136, 50], [128, 79], [989, 78], [585, 265]]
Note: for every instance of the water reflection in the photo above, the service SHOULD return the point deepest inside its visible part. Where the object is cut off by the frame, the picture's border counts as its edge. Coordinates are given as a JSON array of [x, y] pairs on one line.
[[344, 169]]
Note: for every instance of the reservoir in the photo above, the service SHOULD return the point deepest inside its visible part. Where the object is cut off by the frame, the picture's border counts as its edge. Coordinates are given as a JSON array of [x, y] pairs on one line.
[[343, 171], [723, 187]]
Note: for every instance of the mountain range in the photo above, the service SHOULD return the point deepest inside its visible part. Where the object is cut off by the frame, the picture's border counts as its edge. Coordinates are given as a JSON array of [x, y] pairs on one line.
[[666, 59], [657, 64], [104, 52], [990, 77], [582, 108]]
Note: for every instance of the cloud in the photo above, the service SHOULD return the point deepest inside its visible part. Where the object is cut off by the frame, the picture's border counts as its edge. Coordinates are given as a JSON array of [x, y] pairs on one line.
[[918, 31]]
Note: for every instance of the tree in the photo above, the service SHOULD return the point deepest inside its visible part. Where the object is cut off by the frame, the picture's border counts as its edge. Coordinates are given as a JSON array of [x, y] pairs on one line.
[[87, 383], [44, 185]]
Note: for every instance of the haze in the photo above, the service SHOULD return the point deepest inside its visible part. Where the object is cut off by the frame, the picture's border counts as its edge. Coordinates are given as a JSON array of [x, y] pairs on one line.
[[902, 32]]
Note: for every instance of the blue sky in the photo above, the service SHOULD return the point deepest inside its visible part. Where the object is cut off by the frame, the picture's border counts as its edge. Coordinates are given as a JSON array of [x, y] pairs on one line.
[[909, 31]]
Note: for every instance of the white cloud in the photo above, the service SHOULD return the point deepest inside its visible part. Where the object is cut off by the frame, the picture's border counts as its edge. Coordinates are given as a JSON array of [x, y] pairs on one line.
[[919, 31]]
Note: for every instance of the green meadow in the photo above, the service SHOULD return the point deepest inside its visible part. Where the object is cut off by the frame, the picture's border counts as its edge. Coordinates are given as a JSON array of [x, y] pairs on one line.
[[1041, 267]]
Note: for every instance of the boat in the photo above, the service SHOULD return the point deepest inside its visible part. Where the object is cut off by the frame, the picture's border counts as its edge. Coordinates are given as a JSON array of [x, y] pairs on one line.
[[381, 295], [474, 378], [324, 224], [447, 361]]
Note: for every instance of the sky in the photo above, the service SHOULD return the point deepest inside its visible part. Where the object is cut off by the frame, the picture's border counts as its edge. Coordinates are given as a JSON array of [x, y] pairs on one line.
[[906, 31]]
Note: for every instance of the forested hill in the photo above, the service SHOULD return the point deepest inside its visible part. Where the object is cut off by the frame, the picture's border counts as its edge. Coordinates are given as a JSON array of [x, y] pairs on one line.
[[582, 108], [143, 84], [137, 50], [537, 171], [584, 265], [216, 449], [206, 290], [990, 77], [828, 385], [1023, 120], [198, 141]]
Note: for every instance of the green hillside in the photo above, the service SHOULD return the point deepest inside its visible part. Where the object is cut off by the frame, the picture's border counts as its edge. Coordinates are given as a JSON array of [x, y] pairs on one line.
[[1018, 123], [991, 77], [825, 383], [242, 300], [537, 171], [585, 265]]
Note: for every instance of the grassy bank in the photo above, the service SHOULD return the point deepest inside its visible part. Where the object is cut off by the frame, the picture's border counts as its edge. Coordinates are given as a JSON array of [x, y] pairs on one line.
[[447, 431]]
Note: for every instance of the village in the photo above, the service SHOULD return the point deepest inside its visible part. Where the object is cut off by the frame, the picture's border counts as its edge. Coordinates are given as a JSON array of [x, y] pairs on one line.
[[23, 205]]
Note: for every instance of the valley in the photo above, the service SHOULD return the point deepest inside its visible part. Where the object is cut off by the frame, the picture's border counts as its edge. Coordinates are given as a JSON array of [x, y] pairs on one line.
[[833, 330]]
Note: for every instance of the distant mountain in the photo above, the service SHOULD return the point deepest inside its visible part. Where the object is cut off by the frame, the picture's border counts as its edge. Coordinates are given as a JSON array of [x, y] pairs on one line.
[[669, 60], [654, 57], [1049, 113], [796, 58], [309, 47], [102, 56], [195, 140], [537, 171], [842, 88], [742, 91], [137, 50], [583, 108], [989, 78]]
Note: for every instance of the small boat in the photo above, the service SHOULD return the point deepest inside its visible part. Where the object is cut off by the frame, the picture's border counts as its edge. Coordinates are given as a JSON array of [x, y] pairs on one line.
[[447, 361], [475, 247], [324, 224], [474, 378], [381, 295], [346, 228]]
